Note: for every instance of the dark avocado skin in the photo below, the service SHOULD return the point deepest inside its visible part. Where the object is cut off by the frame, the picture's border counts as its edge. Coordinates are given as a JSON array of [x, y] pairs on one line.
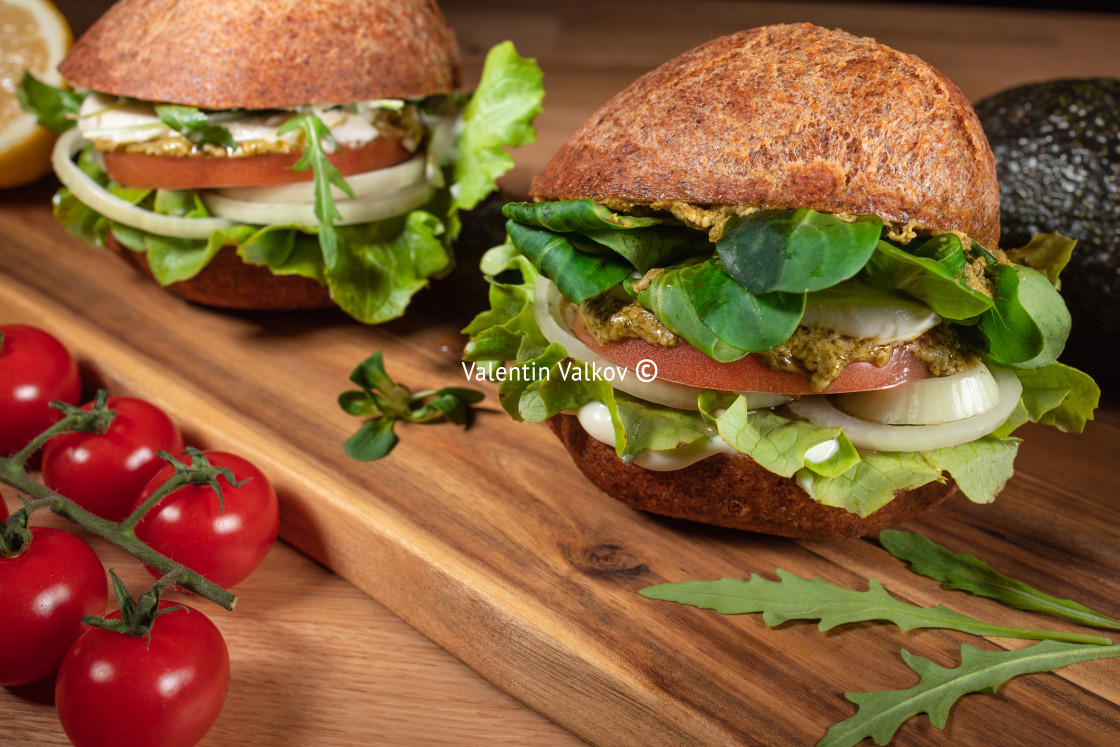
[[1057, 151]]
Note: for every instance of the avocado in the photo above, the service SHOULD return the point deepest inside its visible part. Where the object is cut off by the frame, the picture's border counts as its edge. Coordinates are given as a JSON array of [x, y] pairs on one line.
[[1057, 151]]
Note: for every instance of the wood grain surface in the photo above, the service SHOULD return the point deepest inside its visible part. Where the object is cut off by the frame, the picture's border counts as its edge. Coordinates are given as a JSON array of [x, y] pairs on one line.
[[493, 546]]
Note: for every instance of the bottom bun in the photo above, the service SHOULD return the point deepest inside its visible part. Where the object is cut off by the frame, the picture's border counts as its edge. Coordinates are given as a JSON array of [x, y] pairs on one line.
[[733, 491], [229, 283]]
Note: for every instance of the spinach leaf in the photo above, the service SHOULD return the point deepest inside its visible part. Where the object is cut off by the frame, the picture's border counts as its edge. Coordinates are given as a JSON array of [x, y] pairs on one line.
[[933, 273], [54, 108], [644, 242], [195, 125], [700, 300], [671, 303], [577, 274], [1008, 331], [796, 251]]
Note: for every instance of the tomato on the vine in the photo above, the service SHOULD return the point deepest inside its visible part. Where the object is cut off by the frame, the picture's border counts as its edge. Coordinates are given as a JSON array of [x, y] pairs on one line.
[[35, 370], [223, 539], [105, 472], [162, 690], [44, 593]]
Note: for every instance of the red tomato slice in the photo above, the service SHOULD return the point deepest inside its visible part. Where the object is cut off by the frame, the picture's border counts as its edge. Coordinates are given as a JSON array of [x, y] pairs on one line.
[[210, 172], [684, 364]]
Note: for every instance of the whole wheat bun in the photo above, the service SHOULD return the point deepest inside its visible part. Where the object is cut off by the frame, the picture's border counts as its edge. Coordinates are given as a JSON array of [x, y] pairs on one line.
[[229, 283], [264, 54], [790, 116], [732, 491], [778, 117]]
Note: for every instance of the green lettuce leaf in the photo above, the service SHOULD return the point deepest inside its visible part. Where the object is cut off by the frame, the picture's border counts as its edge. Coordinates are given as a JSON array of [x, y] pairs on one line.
[[859, 482], [780, 444], [1049, 253], [499, 115], [796, 251], [872, 483], [980, 468], [1058, 395]]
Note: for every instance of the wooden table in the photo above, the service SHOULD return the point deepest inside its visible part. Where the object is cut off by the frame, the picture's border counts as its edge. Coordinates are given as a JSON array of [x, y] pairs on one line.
[[492, 545]]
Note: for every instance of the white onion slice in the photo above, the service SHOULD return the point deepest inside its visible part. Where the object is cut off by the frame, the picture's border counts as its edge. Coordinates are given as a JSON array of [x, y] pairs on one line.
[[352, 211], [867, 435], [379, 182], [548, 312], [938, 399], [869, 313], [94, 196]]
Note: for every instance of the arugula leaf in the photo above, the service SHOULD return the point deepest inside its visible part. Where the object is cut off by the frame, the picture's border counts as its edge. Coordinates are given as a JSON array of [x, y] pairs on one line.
[[195, 125], [962, 571], [933, 274], [54, 108], [499, 114], [882, 712], [578, 275], [796, 251], [314, 157], [795, 598], [384, 402]]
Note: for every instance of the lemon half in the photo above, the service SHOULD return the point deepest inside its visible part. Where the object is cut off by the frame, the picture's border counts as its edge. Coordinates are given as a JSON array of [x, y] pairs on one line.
[[34, 36]]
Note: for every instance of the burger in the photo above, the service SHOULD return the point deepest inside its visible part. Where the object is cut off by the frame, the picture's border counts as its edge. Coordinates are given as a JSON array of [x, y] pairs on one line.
[[281, 153], [762, 288]]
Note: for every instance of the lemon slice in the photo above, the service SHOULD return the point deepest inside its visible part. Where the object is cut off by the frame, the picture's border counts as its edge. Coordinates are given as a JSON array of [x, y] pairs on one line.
[[34, 36]]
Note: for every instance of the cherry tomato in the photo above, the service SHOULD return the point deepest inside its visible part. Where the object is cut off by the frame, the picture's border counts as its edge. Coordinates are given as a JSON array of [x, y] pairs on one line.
[[44, 592], [105, 472], [684, 364], [35, 370], [191, 527], [165, 690], [206, 172]]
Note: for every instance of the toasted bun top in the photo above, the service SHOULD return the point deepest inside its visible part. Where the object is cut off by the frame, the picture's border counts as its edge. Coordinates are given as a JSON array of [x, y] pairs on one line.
[[262, 54], [790, 116]]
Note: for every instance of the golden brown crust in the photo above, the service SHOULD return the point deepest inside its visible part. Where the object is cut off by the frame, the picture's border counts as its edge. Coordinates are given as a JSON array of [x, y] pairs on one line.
[[790, 116], [262, 54], [227, 282], [732, 491]]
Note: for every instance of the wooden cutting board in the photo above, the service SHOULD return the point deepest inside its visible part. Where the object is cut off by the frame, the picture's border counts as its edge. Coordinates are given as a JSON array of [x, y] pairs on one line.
[[490, 543]]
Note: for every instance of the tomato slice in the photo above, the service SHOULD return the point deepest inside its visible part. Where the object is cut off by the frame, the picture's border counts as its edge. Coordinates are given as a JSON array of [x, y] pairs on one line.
[[684, 364], [147, 171]]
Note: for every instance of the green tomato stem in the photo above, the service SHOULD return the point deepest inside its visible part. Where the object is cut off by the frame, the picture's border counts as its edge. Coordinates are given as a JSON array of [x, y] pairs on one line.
[[121, 534]]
